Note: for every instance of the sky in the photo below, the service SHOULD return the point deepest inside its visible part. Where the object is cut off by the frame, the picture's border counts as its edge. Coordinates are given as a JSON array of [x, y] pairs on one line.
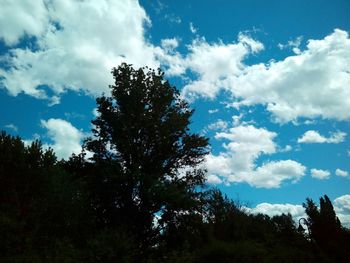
[[269, 82]]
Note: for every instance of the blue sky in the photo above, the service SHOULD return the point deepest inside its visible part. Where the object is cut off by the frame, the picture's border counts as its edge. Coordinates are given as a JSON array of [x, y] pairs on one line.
[[269, 81]]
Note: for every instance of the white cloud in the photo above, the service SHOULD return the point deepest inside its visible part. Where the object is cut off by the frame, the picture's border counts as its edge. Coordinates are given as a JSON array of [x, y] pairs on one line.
[[272, 174], [66, 138], [342, 173], [212, 63], [311, 84], [169, 44], [312, 136], [287, 148], [76, 44], [11, 126], [211, 111], [213, 179], [237, 164], [21, 17], [218, 125], [320, 174]]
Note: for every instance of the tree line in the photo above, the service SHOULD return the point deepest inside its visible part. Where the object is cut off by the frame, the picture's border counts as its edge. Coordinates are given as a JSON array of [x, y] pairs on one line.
[[137, 193]]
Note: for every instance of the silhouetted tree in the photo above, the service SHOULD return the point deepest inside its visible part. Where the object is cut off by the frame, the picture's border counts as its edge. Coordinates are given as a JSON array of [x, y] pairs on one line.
[[326, 230], [144, 157], [42, 215]]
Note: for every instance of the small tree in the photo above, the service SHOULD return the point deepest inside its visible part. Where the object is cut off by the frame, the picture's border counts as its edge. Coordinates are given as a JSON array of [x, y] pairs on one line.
[[142, 149]]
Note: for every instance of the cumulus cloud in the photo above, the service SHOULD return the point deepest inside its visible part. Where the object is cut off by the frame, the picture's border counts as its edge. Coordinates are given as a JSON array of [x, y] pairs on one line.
[[76, 43], [22, 17], [310, 84], [341, 173], [312, 136], [213, 63], [238, 163], [66, 138], [320, 174]]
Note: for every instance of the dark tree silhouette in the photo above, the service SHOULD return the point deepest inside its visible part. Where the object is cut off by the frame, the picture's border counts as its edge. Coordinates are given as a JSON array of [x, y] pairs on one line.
[[141, 149], [42, 211], [326, 230]]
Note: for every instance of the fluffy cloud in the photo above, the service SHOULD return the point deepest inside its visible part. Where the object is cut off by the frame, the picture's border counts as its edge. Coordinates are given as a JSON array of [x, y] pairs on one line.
[[237, 163], [66, 138], [312, 83], [312, 136], [320, 174], [21, 17], [75, 44], [213, 63], [272, 174], [340, 172]]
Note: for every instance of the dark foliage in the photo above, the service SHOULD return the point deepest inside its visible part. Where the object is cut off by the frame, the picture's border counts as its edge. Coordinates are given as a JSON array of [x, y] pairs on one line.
[[140, 195]]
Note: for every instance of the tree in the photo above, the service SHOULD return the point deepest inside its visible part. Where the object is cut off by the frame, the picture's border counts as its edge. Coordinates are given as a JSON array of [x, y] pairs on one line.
[[144, 163], [42, 213], [326, 230]]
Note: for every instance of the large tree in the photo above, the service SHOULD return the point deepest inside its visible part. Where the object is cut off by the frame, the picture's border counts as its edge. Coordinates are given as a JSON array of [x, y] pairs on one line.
[[145, 159]]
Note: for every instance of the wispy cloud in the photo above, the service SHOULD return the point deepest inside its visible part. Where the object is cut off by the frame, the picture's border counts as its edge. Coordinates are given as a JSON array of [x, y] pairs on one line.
[[11, 126]]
